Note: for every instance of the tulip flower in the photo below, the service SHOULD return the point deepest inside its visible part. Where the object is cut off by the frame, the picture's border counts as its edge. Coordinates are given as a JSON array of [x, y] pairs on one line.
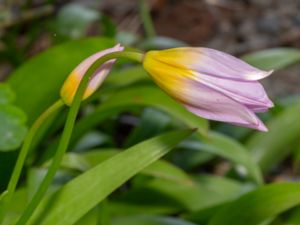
[[71, 84], [211, 84]]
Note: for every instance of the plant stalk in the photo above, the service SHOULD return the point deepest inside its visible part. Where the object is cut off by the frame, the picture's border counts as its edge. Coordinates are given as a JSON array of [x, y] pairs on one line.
[[23, 153], [68, 129], [146, 19]]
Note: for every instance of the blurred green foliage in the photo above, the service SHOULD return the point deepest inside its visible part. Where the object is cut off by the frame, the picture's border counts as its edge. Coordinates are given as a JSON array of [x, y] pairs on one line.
[[112, 173], [13, 119]]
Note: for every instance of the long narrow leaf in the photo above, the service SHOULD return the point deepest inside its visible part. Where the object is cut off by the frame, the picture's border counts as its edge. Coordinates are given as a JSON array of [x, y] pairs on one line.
[[229, 148], [84, 192], [139, 97], [274, 59], [284, 130]]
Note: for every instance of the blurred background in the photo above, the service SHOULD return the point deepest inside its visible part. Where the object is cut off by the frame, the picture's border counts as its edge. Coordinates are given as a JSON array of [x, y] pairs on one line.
[[214, 168], [28, 27]]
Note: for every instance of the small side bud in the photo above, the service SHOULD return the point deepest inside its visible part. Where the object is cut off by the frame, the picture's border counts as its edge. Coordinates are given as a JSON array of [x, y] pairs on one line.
[[71, 84]]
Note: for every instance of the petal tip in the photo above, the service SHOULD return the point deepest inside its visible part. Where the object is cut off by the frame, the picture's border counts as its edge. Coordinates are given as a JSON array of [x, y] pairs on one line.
[[268, 104], [268, 73], [258, 75], [260, 126]]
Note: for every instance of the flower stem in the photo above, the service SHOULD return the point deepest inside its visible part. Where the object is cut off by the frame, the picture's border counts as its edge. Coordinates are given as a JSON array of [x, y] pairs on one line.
[[68, 129], [23, 153], [146, 19]]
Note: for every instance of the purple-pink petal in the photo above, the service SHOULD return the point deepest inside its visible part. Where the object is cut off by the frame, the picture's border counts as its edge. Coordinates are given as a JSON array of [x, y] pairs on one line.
[[214, 105], [220, 64], [248, 93], [211, 84]]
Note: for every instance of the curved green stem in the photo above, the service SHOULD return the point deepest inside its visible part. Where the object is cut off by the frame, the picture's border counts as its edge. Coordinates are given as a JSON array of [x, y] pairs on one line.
[[23, 153], [67, 132], [146, 19]]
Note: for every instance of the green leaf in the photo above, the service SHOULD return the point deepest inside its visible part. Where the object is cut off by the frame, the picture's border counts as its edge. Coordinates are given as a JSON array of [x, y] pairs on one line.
[[148, 220], [74, 19], [165, 206], [2, 195], [273, 59], [73, 161], [188, 156], [7, 162], [203, 216], [153, 96], [37, 82], [151, 123], [293, 217], [6, 94], [161, 43], [108, 27], [84, 192], [229, 148], [270, 148], [93, 217], [97, 156], [204, 192], [161, 169], [121, 78], [91, 140], [164, 170], [127, 38], [259, 205], [12, 120], [18, 203], [140, 96], [209, 191], [12, 129]]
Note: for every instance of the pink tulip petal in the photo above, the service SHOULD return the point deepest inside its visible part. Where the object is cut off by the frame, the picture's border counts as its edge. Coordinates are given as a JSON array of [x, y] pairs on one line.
[[211, 84], [248, 93], [211, 104], [212, 63], [216, 63], [258, 109]]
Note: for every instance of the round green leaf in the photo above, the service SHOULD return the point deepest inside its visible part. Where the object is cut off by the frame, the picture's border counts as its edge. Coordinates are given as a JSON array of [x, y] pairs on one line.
[[12, 129]]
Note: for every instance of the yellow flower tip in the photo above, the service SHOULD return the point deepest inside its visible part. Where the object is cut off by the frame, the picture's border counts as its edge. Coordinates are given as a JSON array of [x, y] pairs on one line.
[[69, 88], [170, 78], [71, 84], [178, 57]]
